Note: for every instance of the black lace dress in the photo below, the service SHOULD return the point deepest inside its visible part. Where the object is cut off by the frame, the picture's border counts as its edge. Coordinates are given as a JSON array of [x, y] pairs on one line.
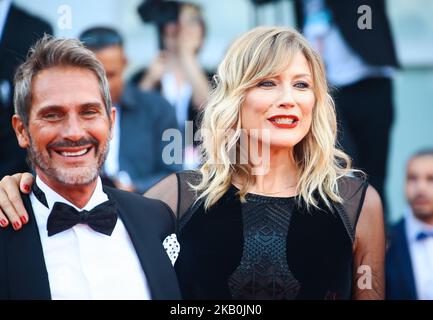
[[265, 248]]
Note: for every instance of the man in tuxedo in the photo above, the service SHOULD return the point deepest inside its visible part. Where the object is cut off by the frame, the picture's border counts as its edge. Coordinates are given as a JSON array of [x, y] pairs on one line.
[[409, 259], [133, 164], [18, 31], [360, 61], [82, 240]]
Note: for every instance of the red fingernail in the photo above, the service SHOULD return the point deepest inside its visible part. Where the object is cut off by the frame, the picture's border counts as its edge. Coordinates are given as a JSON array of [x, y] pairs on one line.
[[23, 219], [26, 188], [16, 225], [3, 222]]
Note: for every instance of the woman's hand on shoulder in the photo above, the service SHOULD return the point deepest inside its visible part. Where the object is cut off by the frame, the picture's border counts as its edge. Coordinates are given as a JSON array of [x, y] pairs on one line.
[[12, 211], [369, 249]]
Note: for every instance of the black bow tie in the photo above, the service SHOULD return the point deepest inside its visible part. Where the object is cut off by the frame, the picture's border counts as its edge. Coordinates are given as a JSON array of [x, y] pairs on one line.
[[40, 195], [101, 218]]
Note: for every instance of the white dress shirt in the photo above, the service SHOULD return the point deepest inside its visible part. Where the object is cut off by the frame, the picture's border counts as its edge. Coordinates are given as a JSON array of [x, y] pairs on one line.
[[178, 97], [85, 264], [421, 253]]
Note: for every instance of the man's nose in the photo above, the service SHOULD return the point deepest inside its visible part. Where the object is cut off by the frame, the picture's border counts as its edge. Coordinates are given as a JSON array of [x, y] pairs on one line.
[[74, 129]]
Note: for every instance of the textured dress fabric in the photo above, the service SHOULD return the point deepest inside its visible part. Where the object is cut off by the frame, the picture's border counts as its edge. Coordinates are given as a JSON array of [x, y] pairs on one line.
[[266, 247]]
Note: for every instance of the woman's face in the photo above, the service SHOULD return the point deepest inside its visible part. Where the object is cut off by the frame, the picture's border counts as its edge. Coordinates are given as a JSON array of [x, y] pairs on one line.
[[281, 105], [188, 31], [190, 23]]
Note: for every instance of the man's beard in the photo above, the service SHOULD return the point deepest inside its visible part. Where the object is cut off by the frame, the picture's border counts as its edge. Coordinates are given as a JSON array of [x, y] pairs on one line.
[[422, 214], [425, 213], [69, 176]]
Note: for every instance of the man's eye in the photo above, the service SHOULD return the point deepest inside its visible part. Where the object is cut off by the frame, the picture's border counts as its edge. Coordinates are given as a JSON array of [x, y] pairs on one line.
[[266, 83], [52, 116], [302, 85], [89, 112]]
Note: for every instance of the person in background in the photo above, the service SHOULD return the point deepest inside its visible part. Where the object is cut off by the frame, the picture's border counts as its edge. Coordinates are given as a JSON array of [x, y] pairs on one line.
[[355, 41], [19, 30], [134, 162], [409, 258], [176, 71]]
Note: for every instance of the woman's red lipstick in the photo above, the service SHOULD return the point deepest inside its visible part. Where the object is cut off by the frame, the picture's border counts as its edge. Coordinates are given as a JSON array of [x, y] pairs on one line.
[[284, 121]]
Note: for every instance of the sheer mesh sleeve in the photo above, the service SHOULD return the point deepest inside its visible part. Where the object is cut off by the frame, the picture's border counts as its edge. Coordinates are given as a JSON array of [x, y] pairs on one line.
[[187, 196], [352, 189], [175, 191], [166, 190], [369, 250], [361, 212]]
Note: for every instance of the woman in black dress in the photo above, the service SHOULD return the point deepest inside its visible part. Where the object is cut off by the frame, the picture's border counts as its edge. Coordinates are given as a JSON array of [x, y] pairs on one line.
[[297, 224], [275, 211]]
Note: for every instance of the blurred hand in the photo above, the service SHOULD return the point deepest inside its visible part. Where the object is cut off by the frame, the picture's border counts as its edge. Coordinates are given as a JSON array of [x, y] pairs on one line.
[[190, 38], [124, 187], [12, 211], [123, 182], [155, 72]]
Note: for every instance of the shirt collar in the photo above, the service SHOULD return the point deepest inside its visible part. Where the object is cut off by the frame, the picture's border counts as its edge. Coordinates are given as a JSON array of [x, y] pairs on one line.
[[414, 226], [52, 197]]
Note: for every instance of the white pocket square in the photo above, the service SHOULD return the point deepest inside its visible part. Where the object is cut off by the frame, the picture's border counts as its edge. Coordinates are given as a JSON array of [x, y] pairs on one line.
[[172, 247]]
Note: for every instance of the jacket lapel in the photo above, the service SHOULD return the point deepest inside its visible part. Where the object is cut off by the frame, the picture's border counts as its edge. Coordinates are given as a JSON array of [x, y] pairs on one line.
[[28, 277], [159, 273], [405, 263]]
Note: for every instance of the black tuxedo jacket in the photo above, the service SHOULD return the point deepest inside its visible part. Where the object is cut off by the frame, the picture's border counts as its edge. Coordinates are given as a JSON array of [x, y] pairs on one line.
[[23, 274], [21, 30], [375, 45], [400, 279]]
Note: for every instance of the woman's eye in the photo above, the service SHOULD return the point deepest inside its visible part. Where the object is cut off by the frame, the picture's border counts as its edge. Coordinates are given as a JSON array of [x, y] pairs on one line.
[[266, 83], [302, 85]]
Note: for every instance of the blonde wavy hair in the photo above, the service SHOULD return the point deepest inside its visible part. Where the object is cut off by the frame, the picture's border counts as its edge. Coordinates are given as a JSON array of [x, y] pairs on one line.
[[261, 53]]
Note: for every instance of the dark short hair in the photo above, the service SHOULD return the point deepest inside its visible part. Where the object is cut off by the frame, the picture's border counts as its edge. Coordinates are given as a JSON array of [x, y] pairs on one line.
[[163, 13], [98, 38], [422, 153], [51, 52]]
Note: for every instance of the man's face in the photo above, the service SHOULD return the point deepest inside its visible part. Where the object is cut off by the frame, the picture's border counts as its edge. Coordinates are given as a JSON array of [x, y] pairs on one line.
[[114, 62], [69, 129], [419, 187]]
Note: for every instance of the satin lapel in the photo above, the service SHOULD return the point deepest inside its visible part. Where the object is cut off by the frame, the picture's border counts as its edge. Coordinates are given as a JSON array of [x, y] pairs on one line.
[[28, 277], [159, 274]]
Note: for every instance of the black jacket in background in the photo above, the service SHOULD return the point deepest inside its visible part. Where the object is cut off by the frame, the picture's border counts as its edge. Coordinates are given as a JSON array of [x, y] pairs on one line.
[[375, 45], [20, 32], [400, 278]]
